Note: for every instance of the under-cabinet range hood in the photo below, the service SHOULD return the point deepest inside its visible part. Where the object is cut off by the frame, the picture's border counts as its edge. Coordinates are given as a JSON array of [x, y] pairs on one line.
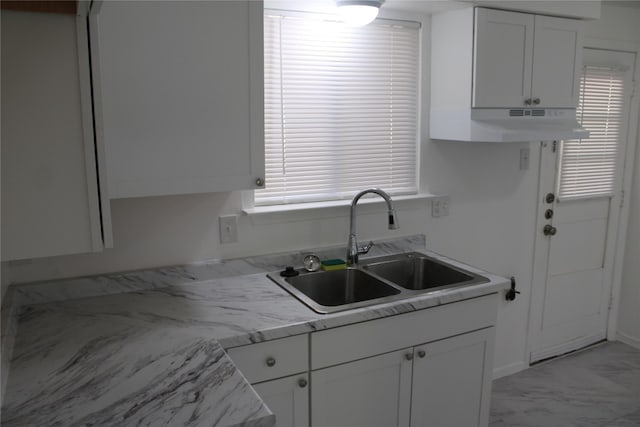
[[506, 125]]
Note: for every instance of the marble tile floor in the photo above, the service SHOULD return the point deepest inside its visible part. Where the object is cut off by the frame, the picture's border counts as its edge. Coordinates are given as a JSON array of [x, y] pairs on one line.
[[595, 387]]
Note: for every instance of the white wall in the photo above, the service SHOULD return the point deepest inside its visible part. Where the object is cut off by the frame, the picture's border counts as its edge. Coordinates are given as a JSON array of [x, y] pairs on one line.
[[491, 224]]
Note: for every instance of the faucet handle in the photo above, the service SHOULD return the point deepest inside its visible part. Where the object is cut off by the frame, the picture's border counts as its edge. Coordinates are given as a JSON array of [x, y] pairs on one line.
[[366, 248]]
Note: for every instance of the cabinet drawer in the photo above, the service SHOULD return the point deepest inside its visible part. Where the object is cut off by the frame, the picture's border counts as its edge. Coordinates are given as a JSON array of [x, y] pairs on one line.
[[347, 343], [272, 359]]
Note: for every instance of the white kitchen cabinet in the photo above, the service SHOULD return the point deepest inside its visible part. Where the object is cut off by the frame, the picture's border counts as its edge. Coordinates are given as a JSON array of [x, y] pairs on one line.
[[557, 61], [288, 399], [278, 371], [503, 56], [181, 88], [444, 383], [430, 367], [50, 189], [451, 384], [525, 60], [371, 392], [486, 58]]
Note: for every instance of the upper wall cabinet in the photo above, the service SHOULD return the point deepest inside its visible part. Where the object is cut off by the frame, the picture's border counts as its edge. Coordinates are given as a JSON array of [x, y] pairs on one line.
[[181, 88], [499, 76], [486, 58], [525, 60], [50, 190]]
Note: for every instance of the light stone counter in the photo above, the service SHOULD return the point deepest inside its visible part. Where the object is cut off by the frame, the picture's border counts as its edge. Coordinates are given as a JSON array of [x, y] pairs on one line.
[[154, 355]]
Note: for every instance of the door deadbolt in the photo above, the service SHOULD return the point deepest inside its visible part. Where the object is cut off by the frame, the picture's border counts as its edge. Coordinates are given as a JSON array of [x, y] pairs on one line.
[[549, 230], [548, 214], [550, 198]]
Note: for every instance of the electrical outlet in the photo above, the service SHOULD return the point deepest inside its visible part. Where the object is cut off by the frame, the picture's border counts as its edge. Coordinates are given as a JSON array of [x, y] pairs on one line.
[[228, 229], [435, 208], [440, 206]]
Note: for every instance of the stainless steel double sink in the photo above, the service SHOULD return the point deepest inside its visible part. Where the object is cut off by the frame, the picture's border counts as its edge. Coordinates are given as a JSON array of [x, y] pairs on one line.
[[375, 281]]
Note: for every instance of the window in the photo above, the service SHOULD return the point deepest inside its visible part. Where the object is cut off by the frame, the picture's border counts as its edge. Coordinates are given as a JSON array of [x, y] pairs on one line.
[[588, 166], [341, 108]]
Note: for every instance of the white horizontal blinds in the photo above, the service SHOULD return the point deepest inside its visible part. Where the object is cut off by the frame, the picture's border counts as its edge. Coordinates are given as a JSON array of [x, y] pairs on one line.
[[588, 166], [340, 109]]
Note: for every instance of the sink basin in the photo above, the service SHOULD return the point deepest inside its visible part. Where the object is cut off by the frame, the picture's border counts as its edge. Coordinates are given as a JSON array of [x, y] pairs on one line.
[[375, 281], [417, 272], [330, 291]]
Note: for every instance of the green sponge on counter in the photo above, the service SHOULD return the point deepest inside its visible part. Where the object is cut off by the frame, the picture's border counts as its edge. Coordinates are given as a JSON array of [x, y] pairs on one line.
[[333, 264]]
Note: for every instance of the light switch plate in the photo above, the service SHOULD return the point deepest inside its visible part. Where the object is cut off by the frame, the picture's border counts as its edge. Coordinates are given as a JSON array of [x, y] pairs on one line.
[[228, 228], [524, 158]]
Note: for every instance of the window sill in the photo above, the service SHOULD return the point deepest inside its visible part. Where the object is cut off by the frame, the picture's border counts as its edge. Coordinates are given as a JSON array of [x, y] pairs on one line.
[[302, 211]]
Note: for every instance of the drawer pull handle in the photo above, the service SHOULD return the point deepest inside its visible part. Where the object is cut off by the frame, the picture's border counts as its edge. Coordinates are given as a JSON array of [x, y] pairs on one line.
[[271, 362], [422, 353], [302, 383]]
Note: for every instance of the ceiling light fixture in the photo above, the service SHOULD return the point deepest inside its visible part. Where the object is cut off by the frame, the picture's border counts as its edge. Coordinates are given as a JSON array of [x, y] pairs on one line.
[[357, 13]]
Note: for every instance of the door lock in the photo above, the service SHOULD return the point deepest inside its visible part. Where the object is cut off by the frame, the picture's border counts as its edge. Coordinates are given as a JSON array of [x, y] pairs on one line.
[[550, 198], [549, 230], [511, 293]]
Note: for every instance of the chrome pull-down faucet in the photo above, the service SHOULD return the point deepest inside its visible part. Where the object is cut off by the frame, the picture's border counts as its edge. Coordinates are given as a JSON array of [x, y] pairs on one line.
[[353, 250]]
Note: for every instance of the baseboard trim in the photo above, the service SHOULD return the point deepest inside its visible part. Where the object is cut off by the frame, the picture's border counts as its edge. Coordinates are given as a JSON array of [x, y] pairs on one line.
[[558, 350], [510, 369], [628, 339]]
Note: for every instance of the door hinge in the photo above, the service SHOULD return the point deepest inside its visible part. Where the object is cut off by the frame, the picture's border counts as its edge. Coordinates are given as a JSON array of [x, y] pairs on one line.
[[621, 198], [554, 147]]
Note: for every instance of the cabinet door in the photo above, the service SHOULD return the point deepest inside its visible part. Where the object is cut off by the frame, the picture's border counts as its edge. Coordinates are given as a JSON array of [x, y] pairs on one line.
[[503, 47], [372, 392], [452, 381], [556, 62], [288, 399], [182, 95], [49, 184]]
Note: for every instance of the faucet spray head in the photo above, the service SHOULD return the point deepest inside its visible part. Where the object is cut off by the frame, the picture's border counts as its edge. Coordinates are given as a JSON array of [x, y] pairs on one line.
[[393, 220]]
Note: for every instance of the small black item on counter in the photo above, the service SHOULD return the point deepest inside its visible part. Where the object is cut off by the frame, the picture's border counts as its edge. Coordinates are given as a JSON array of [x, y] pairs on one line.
[[289, 272]]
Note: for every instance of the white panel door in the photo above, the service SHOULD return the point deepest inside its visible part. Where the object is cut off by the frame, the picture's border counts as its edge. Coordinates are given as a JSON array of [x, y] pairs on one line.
[[574, 256], [452, 381], [372, 392], [556, 62], [288, 399], [502, 58]]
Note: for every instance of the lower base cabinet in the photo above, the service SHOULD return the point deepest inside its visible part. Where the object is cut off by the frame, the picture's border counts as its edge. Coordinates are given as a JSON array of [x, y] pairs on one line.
[[439, 384], [452, 381], [372, 392], [288, 399], [428, 368]]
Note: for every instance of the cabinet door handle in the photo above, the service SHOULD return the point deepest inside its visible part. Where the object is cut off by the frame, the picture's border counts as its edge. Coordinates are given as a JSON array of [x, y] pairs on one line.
[[527, 101], [408, 356], [302, 382], [421, 354], [536, 101], [271, 362]]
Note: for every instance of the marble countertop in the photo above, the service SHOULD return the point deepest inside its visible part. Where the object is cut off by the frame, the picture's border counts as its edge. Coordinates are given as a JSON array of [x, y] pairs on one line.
[[155, 355]]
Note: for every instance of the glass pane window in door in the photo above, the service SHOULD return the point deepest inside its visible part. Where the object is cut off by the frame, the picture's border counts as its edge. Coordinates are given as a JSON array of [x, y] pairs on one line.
[[588, 166]]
